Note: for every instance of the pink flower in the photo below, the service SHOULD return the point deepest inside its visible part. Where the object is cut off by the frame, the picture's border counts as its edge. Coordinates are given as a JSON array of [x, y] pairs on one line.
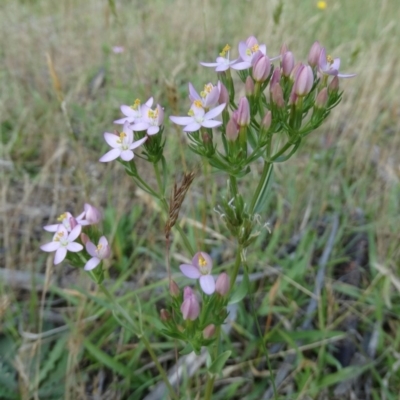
[[151, 120], [198, 117], [63, 241], [118, 49], [135, 112], [208, 97], [247, 50], [313, 55], [303, 81], [261, 68], [98, 253], [329, 66], [66, 219], [122, 145], [243, 112], [222, 285], [287, 63], [200, 269], [190, 307], [222, 62], [91, 215]]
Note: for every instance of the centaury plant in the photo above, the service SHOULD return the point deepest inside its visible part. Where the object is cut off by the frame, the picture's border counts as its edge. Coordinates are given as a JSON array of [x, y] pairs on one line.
[[284, 102]]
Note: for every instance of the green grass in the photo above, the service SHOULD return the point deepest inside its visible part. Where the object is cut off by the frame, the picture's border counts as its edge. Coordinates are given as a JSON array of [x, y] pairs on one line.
[[63, 341]]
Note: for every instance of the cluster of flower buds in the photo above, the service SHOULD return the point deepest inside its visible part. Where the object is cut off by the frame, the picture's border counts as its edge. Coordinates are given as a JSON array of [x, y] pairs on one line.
[[195, 316], [68, 237]]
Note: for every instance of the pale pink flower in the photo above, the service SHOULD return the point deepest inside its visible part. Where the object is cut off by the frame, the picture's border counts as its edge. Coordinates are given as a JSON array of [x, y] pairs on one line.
[[190, 307], [222, 285], [118, 49], [222, 62], [98, 253], [63, 241], [330, 66], [122, 145], [303, 81], [66, 219], [91, 215], [200, 269], [198, 117], [151, 120], [207, 98], [135, 112]]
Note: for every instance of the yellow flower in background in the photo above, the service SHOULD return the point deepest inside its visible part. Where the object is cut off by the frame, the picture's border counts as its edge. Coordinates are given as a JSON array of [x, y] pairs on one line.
[[322, 5]]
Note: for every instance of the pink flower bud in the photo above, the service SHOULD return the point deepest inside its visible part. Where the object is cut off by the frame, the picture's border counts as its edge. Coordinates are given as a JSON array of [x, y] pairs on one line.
[[284, 49], [261, 68], [266, 121], [249, 86], [165, 315], [243, 114], [287, 63], [73, 222], [275, 78], [304, 81], [251, 41], [313, 55], [222, 285], [293, 97], [322, 98], [277, 96], [232, 130], [84, 238], [295, 71], [190, 307], [92, 214], [209, 331], [223, 93], [174, 289], [334, 85]]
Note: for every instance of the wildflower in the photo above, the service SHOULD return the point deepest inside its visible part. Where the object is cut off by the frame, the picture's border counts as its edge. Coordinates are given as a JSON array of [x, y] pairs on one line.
[[190, 307], [303, 81], [313, 55], [90, 216], [243, 112], [209, 331], [330, 66], [232, 129], [63, 241], [98, 253], [151, 120], [222, 284], [322, 5], [65, 219], [174, 289], [287, 63], [135, 112], [261, 68], [122, 145], [208, 97], [322, 98], [222, 62], [118, 49], [198, 117], [200, 269], [247, 50]]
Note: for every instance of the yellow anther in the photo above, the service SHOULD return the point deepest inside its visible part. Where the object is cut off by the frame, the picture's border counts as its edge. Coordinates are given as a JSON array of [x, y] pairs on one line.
[[202, 261], [255, 48], [58, 237], [329, 59], [225, 50], [62, 217], [136, 104], [190, 113], [122, 135], [198, 103], [99, 246]]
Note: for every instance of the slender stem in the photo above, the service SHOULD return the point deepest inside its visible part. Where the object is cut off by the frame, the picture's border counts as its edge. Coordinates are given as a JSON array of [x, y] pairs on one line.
[[158, 177], [143, 338], [261, 184], [236, 266], [211, 377], [161, 370], [233, 185]]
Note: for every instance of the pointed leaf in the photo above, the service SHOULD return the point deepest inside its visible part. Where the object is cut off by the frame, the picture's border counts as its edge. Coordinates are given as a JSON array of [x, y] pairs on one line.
[[218, 364]]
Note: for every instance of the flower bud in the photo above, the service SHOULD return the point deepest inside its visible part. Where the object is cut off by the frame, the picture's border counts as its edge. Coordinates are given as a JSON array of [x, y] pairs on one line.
[[190, 307], [243, 115], [313, 55], [232, 130], [92, 214], [223, 93], [249, 86], [277, 96], [266, 121], [295, 71], [84, 238], [73, 222], [287, 63], [284, 49], [275, 78], [165, 315], [304, 81], [293, 97], [222, 285], [322, 98], [334, 85], [261, 68], [209, 331], [174, 289]]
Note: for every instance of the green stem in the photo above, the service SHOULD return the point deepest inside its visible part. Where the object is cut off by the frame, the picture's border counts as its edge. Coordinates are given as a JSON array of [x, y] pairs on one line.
[[158, 177], [261, 187], [233, 185], [143, 338], [236, 266], [211, 377]]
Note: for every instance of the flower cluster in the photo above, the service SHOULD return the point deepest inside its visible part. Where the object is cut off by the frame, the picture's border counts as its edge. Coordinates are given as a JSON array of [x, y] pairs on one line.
[[68, 237]]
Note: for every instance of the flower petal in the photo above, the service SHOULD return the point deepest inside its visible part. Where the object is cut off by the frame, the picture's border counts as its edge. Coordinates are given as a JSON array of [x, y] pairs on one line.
[[190, 271], [207, 283], [127, 155], [140, 126], [137, 143], [153, 130], [214, 112], [111, 155], [123, 120], [92, 263], [74, 247], [149, 102], [60, 255], [51, 228], [193, 95], [211, 123], [49, 247], [204, 64], [91, 249], [74, 233], [128, 111], [181, 120], [241, 65], [194, 126]]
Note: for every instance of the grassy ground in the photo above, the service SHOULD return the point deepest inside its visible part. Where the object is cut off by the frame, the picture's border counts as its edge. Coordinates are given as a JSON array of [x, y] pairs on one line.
[[339, 196]]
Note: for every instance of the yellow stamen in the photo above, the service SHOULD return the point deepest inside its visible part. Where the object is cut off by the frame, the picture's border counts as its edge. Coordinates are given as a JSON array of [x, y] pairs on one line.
[[202, 261], [329, 59], [191, 113], [62, 217], [136, 104], [198, 103], [255, 48], [58, 237], [225, 50], [99, 247], [122, 135]]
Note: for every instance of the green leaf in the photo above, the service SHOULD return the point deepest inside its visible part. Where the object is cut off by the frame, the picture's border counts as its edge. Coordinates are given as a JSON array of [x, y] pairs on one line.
[[186, 350], [343, 375], [56, 353], [218, 364], [241, 291]]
